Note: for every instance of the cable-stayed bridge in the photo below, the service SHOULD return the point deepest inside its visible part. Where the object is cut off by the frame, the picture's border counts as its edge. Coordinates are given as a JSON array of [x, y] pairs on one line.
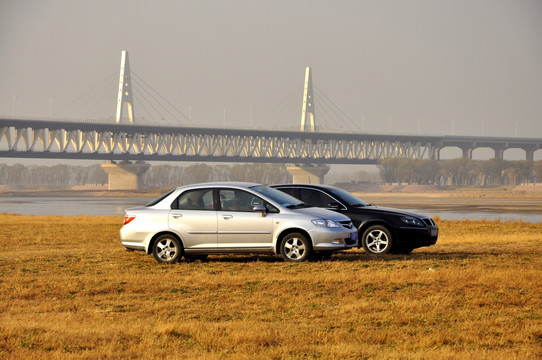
[[44, 138], [22, 137]]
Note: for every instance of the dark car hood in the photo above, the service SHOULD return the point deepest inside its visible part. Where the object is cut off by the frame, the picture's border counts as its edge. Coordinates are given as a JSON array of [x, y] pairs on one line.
[[373, 209]]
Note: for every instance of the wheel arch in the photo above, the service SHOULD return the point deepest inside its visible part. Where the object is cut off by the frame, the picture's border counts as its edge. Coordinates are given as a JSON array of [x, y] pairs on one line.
[[286, 232], [364, 226], [157, 235]]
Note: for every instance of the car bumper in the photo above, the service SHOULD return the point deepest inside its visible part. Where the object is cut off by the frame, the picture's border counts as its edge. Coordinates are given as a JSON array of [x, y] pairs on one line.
[[416, 237], [334, 241], [133, 240]]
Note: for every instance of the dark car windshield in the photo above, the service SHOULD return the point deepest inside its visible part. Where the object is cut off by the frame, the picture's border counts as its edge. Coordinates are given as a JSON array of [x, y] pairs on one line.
[[278, 196], [348, 197]]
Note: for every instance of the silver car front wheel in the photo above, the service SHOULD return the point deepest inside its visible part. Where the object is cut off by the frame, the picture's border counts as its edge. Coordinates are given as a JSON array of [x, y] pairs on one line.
[[295, 247], [167, 249]]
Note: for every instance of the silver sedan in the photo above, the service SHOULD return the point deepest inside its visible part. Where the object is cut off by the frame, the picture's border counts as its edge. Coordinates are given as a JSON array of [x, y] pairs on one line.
[[217, 218]]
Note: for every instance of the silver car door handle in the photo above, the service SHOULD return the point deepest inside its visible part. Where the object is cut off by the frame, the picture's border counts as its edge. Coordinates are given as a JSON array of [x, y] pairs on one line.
[[177, 216], [227, 217]]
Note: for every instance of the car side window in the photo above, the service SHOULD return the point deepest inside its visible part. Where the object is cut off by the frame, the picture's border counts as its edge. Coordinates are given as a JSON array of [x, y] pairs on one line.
[[201, 199], [288, 190], [270, 208], [238, 200], [316, 198]]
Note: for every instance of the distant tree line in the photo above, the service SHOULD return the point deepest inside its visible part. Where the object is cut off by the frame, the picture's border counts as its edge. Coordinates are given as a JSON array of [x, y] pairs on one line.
[[166, 175], [460, 172], [57, 175], [156, 176]]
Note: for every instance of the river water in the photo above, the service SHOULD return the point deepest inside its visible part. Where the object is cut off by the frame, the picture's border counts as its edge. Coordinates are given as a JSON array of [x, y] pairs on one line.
[[99, 206], [73, 206]]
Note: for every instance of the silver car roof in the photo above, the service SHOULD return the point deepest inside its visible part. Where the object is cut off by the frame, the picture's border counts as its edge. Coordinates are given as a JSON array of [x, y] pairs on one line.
[[234, 184]]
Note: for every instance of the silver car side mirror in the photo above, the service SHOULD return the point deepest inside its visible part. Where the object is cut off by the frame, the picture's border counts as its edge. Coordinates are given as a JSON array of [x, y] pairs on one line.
[[260, 208]]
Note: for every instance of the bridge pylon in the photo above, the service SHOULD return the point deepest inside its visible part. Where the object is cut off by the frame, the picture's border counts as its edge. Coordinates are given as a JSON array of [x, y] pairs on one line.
[[125, 90], [125, 175], [307, 110], [308, 173]]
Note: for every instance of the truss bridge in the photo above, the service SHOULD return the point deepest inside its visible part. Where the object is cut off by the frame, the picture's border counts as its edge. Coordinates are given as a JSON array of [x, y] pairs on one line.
[[33, 138]]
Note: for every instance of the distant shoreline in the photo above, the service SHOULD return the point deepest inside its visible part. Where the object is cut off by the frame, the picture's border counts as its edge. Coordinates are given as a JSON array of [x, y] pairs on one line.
[[523, 199]]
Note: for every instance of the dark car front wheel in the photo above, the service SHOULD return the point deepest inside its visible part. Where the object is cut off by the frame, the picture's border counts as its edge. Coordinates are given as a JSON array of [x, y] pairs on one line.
[[167, 249], [377, 240]]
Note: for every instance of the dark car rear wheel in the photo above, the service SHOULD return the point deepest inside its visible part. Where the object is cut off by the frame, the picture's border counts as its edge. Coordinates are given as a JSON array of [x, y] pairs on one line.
[[167, 249], [295, 247], [377, 240]]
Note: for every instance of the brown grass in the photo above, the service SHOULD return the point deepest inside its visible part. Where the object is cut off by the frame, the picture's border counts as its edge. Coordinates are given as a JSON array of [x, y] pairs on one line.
[[69, 290]]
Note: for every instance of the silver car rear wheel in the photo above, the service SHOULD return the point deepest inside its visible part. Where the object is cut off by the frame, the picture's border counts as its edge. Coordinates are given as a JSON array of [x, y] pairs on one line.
[[167, 249], [295, 247]]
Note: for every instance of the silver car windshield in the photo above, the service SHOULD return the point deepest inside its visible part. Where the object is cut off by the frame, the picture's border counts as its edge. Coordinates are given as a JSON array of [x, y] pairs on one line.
[[278, 196]]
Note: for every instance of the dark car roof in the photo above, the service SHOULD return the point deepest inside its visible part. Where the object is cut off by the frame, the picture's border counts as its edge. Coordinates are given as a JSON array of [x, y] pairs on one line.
[[369, 209], [316, 186]]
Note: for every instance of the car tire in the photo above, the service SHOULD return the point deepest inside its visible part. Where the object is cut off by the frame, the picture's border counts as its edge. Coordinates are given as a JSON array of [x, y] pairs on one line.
[[377, 240], [295, 247], [167, 249]]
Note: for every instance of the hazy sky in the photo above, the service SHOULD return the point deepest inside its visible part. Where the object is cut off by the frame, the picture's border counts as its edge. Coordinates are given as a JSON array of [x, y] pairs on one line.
[[428, 66]]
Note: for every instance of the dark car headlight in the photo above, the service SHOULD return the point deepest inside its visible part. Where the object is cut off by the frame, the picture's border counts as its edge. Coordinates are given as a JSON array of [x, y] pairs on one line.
[[412, 221]]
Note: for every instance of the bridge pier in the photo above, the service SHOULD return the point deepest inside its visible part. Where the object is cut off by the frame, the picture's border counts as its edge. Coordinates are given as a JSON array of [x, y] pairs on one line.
[[529, 154], [499, 152], [308, 174], [125, 175], [435, 154], [467, 152]]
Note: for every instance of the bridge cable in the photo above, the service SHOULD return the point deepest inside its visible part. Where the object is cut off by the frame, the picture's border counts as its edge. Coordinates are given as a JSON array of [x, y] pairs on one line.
[[282, 105], [142, 100], [320, 92], [325, 99], [323, 107], [151, 104], [84, 95], [323, 114], [157, 93], [104, 96], [141, 86], [145, 110]]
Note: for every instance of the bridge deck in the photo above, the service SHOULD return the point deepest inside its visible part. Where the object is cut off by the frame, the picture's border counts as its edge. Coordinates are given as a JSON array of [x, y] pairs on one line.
[[41, 138]]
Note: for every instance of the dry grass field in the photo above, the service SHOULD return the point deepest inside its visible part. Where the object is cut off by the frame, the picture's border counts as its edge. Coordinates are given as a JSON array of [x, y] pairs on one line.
[[69, 290]]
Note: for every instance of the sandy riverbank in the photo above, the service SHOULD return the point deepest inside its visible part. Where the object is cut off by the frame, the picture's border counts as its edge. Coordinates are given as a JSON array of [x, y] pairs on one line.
[[524, 198]]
